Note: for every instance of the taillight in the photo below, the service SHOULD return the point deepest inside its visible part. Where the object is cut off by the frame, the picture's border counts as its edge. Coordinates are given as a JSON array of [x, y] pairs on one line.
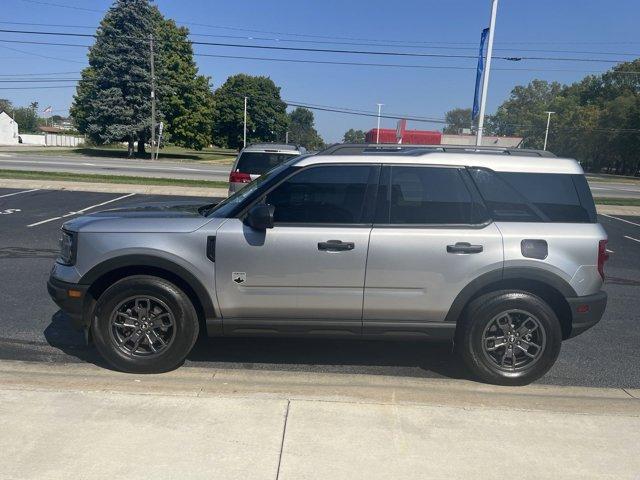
[[239, 177], [603, 256]]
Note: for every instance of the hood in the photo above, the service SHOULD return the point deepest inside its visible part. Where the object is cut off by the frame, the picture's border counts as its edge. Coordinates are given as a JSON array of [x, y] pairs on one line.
[[171, 217]]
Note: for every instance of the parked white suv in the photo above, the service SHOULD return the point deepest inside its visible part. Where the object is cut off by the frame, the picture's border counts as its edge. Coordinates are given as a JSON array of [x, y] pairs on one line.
[[257, 159], [498, 251]]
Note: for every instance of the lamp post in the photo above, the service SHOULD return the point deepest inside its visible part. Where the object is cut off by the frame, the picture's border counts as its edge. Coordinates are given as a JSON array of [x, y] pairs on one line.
[[546, 132], [378, 129]]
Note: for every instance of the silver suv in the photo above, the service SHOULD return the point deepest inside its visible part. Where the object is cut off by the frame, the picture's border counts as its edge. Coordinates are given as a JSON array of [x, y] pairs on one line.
[[497, 251], [257, 159]]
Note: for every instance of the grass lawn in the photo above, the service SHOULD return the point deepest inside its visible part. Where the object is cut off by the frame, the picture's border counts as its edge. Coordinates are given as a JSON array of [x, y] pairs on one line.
[[217, 155], [612, 178], [90, 178], [631, 202]]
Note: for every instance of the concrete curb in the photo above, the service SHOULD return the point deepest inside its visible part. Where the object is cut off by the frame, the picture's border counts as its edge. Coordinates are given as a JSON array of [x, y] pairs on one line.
[[372, 389], [113, 188]]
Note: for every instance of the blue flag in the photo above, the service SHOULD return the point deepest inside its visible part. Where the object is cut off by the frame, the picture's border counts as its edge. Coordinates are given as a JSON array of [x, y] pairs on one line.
[[476, 97]]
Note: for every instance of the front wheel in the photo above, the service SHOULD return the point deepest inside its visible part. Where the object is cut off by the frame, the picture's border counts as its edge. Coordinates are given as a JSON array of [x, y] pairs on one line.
[[509, 337], [144, 324]]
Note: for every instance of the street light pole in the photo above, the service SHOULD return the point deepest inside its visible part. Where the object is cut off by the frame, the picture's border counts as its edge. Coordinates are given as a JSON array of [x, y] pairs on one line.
[[546, 133], [485, 78], [378, 129], [244, 136]]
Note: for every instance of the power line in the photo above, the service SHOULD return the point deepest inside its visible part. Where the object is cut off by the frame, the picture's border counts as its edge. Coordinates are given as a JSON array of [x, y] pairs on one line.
[[315, 50], [48, 57], [427, 45], [399, 65], [306, 35], [59, 5]]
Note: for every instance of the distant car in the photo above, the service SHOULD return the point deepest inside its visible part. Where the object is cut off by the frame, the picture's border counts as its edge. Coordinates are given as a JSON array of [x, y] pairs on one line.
[[258, 159]]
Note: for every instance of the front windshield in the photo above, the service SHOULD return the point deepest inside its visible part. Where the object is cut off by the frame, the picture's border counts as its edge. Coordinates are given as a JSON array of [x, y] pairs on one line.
[[223, 208]]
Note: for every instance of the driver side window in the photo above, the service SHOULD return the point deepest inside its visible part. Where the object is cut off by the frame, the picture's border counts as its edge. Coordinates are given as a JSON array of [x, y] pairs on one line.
[[324, 194]]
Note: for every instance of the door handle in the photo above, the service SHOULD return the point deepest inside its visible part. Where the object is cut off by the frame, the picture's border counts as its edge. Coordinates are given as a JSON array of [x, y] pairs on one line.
[[464, 247], [335, 246]]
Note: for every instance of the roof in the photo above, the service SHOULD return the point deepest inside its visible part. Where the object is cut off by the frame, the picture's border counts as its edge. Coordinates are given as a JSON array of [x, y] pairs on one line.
[[50, 129], [486, 158], [279, 147]]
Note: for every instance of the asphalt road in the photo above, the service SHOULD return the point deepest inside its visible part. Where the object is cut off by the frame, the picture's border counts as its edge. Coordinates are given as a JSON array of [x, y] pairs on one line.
[[197, 170], [191, 170], [32, 328]]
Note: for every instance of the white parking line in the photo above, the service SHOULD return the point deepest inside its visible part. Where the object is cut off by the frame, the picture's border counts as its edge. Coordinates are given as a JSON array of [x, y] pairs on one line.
[[631, 238], [621, 219], [18, 193], [80, 211]]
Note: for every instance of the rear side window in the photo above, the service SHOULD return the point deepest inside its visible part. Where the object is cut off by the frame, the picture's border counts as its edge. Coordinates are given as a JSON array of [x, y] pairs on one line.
[[258, 163], [535, 197], [325, 194], [424, 195]]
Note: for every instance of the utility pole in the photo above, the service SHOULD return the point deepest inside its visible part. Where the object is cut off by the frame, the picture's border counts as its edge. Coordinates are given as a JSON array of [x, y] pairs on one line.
[[378, 129], [244, 136], [153, 97], [485, 78], [546, 133], [286, 137]]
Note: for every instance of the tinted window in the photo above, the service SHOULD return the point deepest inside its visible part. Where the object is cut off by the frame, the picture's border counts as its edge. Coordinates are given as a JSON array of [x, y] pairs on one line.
[[427, 195], [503, 201], [331, 194], [534, 197], [261, 162]]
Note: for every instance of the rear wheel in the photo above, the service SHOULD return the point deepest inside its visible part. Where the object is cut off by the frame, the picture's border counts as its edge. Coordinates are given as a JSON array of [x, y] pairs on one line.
[[509, 337], [144, 324]]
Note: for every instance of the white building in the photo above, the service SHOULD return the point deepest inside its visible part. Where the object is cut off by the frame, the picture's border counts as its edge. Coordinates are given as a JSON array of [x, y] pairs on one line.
[[8, 130]]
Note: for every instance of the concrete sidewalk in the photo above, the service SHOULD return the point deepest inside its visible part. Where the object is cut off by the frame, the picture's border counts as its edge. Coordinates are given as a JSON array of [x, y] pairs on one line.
[[82, 421]]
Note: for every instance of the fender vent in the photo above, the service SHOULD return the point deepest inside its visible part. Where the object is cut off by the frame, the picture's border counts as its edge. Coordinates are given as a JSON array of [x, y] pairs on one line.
[[211, 248]]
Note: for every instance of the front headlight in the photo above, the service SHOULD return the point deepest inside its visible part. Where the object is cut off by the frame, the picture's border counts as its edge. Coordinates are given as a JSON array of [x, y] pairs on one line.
[[67, 248]]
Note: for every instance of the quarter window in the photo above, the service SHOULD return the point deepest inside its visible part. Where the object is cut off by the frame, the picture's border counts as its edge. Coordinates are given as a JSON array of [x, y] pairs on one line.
[[428, 195], [326, 194]]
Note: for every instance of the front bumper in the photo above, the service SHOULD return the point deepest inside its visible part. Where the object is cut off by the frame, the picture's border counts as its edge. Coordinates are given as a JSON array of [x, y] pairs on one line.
[[586, 311], [70, 297]]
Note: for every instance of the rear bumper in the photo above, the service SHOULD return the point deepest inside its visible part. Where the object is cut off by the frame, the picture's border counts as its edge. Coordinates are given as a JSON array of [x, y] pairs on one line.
[[72, 306], [586, 311]]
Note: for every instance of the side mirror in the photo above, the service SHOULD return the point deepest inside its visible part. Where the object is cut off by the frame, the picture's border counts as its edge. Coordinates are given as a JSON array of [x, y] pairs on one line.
[[260, 217]]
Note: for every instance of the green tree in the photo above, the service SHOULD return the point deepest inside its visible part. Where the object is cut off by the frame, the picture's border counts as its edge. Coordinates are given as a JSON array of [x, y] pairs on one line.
[[27, 119], [457, 119], [523, 113], [6, 106], [113, 98], [354, 136], [185, 99], [267, 119], [302, 130]]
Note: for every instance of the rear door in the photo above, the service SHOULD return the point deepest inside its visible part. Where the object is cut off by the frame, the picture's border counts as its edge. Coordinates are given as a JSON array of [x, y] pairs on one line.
[[309, 268], [430, 239]]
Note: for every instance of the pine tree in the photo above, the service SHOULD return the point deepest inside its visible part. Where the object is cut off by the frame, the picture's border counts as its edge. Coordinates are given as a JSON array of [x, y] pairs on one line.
[[112, 101]]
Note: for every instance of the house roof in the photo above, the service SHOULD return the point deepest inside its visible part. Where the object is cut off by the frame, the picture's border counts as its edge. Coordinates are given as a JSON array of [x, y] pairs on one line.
[[50, 129]]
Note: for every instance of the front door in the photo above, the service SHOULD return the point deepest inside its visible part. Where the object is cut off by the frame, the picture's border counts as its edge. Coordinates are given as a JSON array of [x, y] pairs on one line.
[[307, 272]]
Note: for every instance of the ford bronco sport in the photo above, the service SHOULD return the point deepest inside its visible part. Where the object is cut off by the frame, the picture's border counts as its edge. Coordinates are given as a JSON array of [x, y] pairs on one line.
[[497, 250]]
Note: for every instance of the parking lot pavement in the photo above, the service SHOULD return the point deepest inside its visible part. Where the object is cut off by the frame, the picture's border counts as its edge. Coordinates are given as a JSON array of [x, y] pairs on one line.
[[32, 328]]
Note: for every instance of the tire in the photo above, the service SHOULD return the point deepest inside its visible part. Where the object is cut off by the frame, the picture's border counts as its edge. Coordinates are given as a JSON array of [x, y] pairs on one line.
[[154, 313], [497, 321]]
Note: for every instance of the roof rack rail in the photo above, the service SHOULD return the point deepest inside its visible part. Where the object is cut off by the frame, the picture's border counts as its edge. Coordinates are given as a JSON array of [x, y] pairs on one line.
[[406, 149]]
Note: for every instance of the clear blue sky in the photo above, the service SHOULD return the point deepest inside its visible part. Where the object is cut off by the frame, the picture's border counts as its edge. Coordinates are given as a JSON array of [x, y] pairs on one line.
[[577, 25]]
